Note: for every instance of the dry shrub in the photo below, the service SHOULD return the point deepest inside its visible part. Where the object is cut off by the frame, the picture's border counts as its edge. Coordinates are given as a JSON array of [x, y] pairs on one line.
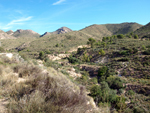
[[46, 94], [26, 70]]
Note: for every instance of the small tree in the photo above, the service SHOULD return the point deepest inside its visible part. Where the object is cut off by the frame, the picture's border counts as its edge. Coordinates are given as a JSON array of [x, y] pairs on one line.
[[57, 45], [136, 37], [104, 39], [108, 38], [120, 36], [143, 47], [130, 36], [104, 44], [131, 33], [91, 42], [102, 74], [102, 52], [41, 55]]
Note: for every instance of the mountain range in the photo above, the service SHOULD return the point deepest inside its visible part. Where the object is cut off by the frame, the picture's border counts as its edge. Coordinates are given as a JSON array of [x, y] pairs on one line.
[[93, 30], [66, 38], [61, 30]]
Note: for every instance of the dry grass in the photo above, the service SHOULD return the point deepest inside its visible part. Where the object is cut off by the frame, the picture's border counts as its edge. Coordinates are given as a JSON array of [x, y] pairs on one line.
[[42, 91]]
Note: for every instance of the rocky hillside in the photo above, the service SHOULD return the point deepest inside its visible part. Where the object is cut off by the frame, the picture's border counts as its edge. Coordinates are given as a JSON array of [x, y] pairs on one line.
[[10, 32], [62, 30], [39, 90], [4, 35]]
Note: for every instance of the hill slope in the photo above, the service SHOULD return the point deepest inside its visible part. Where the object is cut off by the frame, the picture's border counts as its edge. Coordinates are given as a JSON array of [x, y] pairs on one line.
[[39, 90], [4, 35], [110, 29], [65, 39], [10, 32], [143, 31], [25, 33]]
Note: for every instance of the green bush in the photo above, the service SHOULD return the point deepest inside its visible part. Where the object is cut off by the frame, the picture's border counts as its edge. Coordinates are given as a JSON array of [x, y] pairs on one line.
[[147, 52], [136, 36], [47, 52], [102, 74], [102, 52], [42, 55], [131, 92], [91, 42], [115, 82], [143, 47], [73, 60], [103, 93], [120, 36]]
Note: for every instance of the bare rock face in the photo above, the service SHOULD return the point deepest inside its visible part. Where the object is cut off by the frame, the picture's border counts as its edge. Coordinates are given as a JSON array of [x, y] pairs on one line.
[[62, 30]]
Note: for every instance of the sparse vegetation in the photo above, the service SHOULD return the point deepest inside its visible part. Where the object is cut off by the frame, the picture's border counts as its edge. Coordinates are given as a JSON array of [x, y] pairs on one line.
[[114, 71]]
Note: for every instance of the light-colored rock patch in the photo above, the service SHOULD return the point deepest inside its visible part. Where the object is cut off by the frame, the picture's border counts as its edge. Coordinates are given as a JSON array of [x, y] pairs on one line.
[[58, 57]]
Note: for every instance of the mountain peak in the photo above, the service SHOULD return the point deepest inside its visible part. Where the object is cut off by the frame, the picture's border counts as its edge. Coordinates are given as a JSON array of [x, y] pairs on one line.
[[45, 34], [10, 32], [63, 30], [19, 30]]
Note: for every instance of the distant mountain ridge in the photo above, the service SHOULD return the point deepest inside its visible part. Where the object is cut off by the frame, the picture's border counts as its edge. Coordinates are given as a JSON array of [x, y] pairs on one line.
[[63, 40], [25, 33], [61, 30], [95, 31], [110, 29]]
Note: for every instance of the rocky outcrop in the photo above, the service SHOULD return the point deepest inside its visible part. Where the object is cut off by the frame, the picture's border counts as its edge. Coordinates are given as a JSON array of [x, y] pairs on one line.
[[58, 57], [62, 30]]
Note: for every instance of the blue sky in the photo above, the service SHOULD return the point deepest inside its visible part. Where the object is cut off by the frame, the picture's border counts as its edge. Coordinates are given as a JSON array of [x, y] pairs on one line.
[[49, 15]]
